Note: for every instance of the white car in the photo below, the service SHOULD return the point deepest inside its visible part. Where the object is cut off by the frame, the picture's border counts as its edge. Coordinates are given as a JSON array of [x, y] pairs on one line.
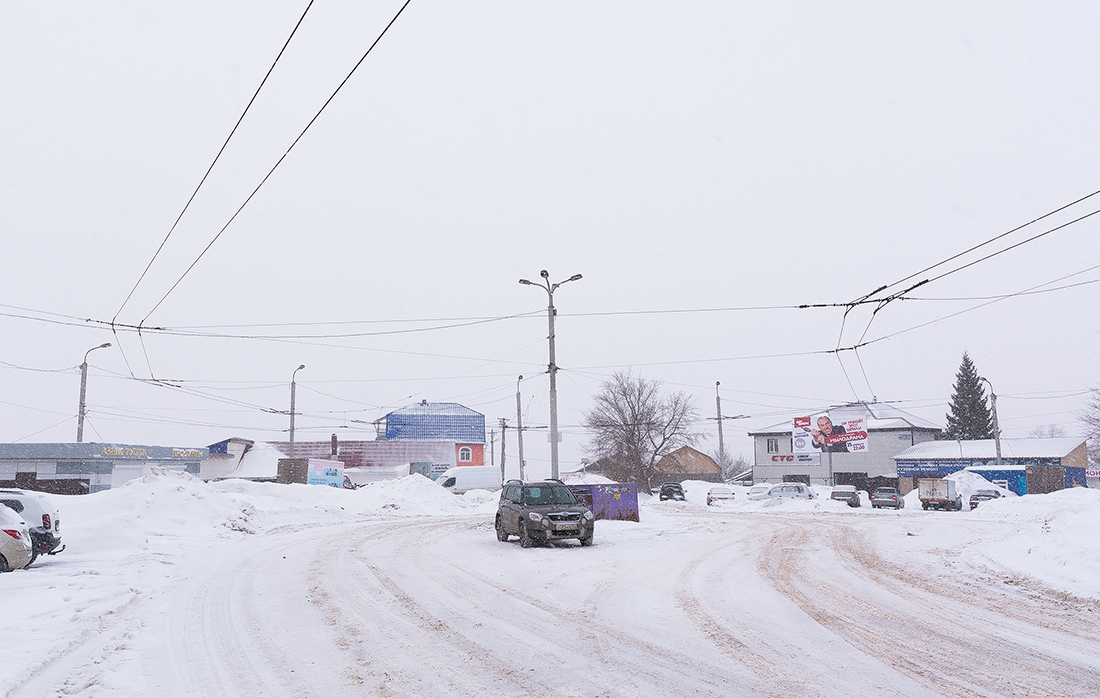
[[796, 490], [42, 519], [15, 541], [717, 494]]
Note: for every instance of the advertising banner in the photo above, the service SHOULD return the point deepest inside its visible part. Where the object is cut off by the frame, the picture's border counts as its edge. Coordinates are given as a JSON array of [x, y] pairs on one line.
[[325, 472], [822, 433]]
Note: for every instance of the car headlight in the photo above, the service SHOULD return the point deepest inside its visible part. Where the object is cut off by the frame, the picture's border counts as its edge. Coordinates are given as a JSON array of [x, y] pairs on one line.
[[588, 516], [536, 517]]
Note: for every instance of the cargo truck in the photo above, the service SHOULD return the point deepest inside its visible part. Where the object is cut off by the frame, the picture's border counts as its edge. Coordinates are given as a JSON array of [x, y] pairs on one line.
[[939, 494]]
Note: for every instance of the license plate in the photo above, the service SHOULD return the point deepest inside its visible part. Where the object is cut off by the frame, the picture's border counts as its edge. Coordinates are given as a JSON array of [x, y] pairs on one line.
[[572, 529]]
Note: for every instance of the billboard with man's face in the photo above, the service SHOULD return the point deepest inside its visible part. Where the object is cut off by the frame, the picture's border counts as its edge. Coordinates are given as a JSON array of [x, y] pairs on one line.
[[822, 433]]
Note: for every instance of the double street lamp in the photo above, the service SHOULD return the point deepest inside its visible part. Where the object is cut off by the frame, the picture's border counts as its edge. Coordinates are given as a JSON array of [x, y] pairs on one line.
[[550, 313], [83, 386], [292, 386]]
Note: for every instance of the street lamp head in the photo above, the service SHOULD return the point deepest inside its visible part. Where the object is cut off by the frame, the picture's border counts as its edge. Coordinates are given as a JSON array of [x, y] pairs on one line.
[[544, 274], [301, 367], [575, 277], [525, 282], [104, 345]]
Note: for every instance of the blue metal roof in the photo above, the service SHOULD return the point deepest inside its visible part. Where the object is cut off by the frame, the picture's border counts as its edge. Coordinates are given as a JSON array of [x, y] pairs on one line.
[[436, 421]]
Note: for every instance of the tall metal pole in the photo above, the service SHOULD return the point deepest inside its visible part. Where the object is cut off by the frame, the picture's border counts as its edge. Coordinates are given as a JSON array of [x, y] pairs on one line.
[[553, 367], [519, 428], [503, 429], [721, 441], [292, 389], [996, 428], [83, 388]]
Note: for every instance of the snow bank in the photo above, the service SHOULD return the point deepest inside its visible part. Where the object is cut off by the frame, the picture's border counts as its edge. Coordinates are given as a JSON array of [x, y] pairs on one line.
[[1050, 537]]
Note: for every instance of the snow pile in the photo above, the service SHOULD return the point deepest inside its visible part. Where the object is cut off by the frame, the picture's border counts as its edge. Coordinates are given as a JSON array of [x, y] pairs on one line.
[[1049, 537], [262, 460]]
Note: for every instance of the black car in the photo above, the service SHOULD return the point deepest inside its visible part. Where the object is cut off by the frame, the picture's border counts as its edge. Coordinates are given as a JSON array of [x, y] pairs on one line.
[[983, 496], [672, 490], [539, 512]]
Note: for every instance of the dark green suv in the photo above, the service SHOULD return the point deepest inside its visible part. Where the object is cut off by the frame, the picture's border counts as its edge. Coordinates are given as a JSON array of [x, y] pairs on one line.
[[539, 512]]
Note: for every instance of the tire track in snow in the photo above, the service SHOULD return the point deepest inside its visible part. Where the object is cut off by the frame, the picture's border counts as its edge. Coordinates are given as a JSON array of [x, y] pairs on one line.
[[947, 644]]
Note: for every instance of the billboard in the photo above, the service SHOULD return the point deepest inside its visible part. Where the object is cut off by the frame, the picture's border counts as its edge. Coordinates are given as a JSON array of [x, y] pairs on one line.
[[823, 433], [325, 472]]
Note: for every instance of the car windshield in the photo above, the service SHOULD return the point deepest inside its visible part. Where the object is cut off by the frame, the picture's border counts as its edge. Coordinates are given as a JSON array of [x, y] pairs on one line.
[[885, 490], [720, 490], [547, 494], [986, 493]]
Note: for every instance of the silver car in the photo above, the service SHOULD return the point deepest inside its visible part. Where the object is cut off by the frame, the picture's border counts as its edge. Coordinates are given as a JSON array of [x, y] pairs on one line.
[[15, 541], [797, 490]]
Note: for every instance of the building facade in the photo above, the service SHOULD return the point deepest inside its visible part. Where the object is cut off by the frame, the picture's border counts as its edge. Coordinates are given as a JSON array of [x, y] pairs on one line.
[[83, 468], [1028, 466], [889, 431]]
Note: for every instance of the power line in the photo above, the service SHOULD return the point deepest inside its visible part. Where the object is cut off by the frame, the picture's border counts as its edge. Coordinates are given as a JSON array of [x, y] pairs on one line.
[[278, 162], [214, 161]]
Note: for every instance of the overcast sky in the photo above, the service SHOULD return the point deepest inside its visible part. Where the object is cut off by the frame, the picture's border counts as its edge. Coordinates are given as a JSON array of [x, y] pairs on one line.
[[728, 161]]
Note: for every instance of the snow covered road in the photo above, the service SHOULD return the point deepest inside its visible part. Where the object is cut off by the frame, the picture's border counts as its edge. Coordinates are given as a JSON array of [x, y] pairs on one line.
[[265, 590]]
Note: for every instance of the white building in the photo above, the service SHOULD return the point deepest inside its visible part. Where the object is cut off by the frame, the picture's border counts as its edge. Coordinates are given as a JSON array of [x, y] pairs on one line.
[[889, 431]]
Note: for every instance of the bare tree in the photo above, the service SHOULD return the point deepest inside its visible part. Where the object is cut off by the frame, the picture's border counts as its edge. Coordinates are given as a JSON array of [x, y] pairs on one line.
[[1050, 431], [1090, 418], [735, 465], [633, 426]]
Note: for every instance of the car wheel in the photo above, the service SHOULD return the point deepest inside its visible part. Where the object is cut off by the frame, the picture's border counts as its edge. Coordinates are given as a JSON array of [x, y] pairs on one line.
[[901, 504], [925, 505], [524, 540], [4, 565], [34, 556], [502, 535], [587, 541]]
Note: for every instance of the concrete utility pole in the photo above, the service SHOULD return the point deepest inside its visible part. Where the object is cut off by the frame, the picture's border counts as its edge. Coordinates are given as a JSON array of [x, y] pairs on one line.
[[721, 441], [292, 386], [996, 428], [553, 368], [83, 387], [519, 428], [503, 428], [492, 447]]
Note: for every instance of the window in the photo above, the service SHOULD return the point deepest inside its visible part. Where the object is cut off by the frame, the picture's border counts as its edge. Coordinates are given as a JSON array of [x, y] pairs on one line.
[[465, 455], [773, 445]]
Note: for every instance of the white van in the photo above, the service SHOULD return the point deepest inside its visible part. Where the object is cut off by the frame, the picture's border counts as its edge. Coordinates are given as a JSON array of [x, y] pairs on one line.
[[471, 477]]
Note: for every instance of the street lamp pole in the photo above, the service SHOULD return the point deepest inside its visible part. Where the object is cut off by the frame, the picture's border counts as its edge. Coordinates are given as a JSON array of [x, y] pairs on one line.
[[83, 387], [519, 428], [996, 427], [292, 389], [553, 368]]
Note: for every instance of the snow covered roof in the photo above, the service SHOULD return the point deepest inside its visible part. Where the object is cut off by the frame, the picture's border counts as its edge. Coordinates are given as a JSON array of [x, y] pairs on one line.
[[987, 448], [879, 416]]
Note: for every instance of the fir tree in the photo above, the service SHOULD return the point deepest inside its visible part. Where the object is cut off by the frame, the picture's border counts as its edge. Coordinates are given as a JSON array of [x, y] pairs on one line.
[[969, 418]]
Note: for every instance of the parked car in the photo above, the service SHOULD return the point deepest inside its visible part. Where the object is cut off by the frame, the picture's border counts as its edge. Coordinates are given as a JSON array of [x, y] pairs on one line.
[[42, 519], [983, 496], [887, 497], [756, 491], [785, 489], [717, 494], [470, 477], [672, 490], [846, 493], [15, 541], [539, 512]]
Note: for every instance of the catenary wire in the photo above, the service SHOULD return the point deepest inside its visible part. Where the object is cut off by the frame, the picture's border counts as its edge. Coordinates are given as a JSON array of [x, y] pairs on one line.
[[279, 161]]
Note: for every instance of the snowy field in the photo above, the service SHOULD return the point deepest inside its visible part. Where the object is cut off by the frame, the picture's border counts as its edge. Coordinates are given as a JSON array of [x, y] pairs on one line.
[[174, 587]]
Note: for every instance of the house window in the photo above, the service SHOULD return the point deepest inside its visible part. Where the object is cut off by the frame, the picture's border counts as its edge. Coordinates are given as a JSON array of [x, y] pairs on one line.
[[773, 445], [465, 455]]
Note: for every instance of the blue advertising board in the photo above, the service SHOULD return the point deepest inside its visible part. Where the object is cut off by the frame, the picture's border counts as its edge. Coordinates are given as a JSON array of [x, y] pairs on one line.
[[325, 472]]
